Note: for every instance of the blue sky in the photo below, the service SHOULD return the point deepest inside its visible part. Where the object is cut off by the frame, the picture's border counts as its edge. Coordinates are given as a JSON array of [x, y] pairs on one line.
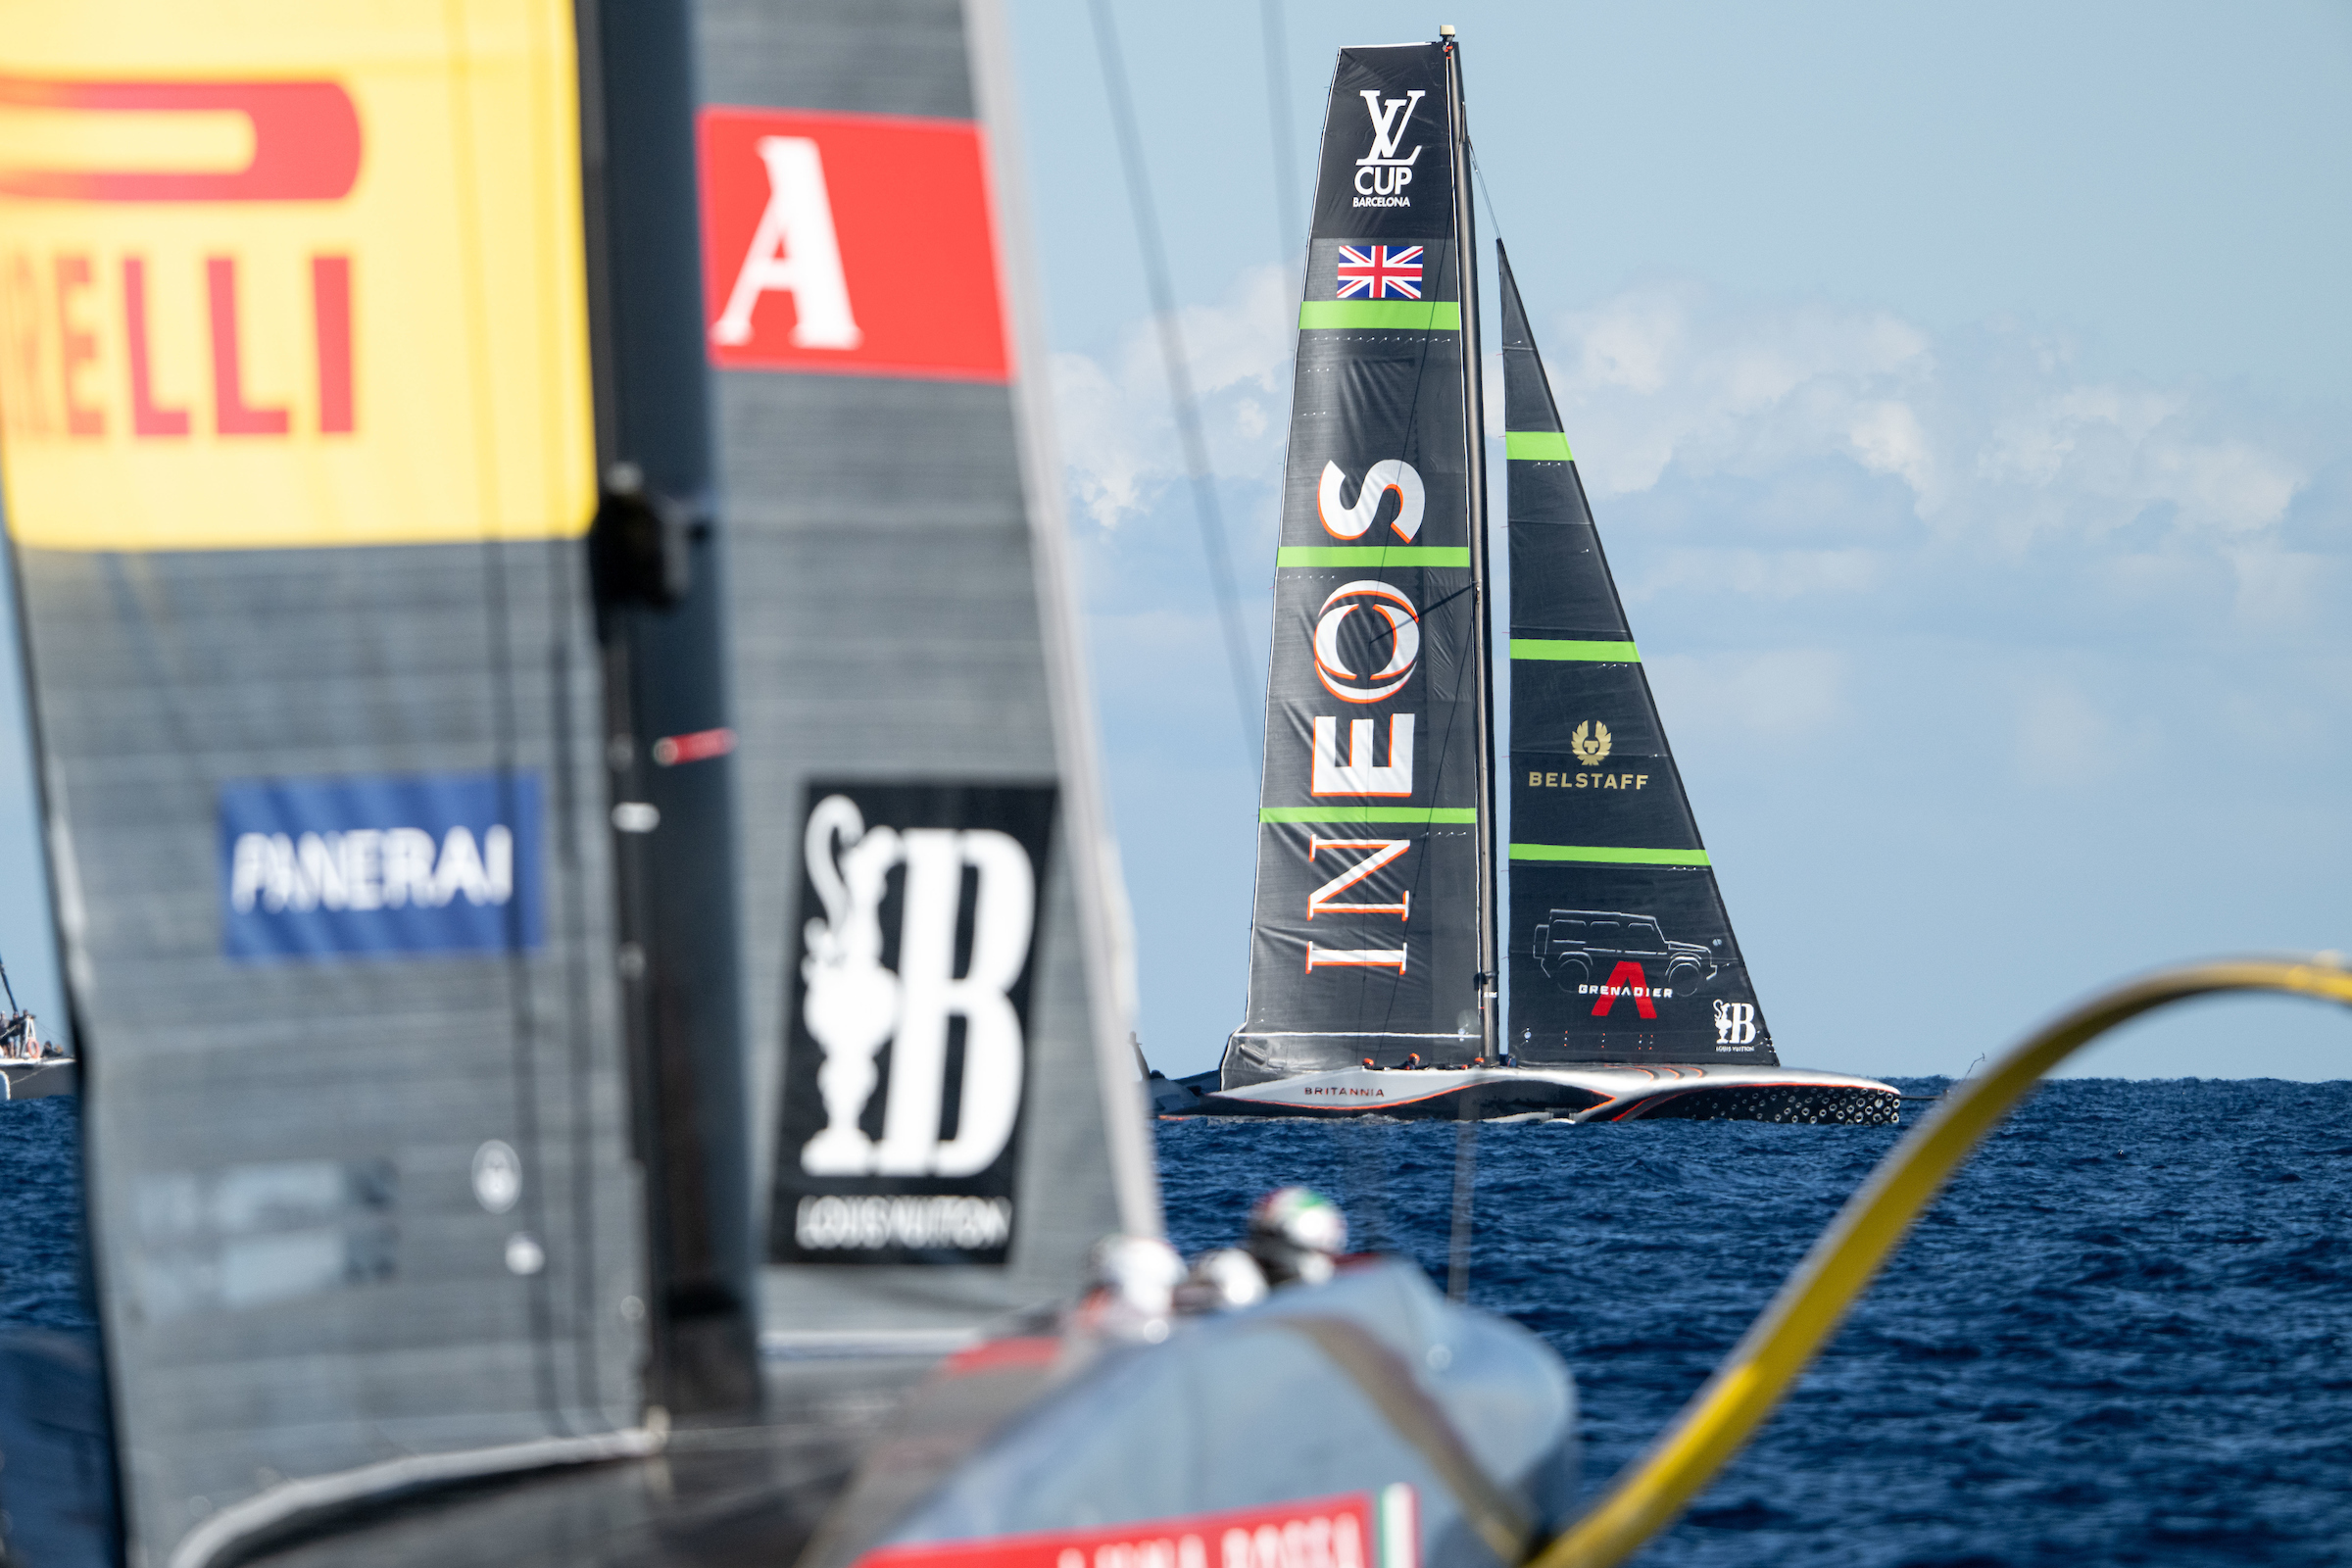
[[1963, 397]]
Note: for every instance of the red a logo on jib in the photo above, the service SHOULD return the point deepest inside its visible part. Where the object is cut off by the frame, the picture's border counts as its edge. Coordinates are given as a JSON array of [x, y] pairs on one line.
[[1626, 980]]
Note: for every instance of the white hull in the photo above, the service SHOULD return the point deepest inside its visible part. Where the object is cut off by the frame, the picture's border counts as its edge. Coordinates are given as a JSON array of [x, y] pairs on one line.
[[37, 1080], [1703, 1093]]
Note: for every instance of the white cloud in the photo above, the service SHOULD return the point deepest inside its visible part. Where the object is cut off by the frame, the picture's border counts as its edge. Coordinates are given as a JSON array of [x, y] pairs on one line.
[[1779, 695], [1117, 430], [1997, 436], [2066, 736], [1762, 573], [1990, 449]]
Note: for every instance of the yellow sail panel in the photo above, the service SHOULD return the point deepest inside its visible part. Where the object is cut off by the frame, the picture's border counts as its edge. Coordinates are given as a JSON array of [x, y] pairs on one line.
[[282, 275]]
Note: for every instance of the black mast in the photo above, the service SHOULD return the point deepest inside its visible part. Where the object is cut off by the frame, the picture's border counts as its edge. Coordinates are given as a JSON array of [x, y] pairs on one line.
[[1474, 460]]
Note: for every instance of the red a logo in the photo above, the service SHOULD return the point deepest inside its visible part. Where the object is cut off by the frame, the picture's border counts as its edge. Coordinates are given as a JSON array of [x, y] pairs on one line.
[[1626, 980], [851, 245]]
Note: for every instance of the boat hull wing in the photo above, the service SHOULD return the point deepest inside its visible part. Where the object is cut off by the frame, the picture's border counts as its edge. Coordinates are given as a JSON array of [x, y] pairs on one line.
[[1648, 1093]]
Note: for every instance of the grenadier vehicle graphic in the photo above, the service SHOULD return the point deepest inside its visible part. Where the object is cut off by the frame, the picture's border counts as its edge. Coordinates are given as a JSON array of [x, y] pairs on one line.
[[1577, 945]]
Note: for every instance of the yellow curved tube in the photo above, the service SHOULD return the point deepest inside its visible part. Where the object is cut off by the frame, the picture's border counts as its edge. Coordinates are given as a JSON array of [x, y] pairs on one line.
[[1727, 1410]]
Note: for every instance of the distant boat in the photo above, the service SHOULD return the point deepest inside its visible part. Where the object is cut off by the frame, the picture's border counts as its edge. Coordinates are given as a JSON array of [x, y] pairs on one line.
[[1374, 943], [31, 1068]]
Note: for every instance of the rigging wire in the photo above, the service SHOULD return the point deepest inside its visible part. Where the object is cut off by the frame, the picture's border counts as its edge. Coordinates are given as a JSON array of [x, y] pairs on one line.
[[1485, 193], [1486, 981], [1650, 1492], [1180, 378], [1278, 119]]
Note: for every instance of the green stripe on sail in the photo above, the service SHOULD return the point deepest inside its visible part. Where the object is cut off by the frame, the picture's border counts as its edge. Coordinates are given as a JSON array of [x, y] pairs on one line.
[[1605, 854], [1381, 316], [1542, 446], [1373, 555], [1590, 653], [1368, 814]]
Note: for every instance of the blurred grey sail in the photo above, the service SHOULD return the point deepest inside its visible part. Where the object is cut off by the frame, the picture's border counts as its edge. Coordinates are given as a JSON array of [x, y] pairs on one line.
[[301, 464], [943, 1104]]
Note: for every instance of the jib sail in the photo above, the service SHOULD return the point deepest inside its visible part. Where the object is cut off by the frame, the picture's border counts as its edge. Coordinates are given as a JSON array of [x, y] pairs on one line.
[[1373, 859], [299, 470], [1620, 949], [943, 1096]]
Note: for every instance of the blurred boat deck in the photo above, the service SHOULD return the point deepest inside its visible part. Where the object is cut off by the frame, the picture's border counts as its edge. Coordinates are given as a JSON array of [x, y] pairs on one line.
[[719, 1493]]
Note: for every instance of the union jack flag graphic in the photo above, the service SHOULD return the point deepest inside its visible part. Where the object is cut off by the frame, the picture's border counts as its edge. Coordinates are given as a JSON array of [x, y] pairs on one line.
[[1379, 272]]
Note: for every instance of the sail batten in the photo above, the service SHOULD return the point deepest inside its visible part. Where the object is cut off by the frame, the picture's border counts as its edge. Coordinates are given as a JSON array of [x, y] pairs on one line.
[[1619, 946]]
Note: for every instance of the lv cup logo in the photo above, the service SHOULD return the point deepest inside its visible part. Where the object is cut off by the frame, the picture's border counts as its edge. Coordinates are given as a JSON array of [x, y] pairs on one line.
[[909, 1047], [1735, 1023], [1380, 175]]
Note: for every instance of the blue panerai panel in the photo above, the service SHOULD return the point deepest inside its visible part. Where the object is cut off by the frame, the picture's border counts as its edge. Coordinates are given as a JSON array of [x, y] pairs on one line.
[[382, 866]]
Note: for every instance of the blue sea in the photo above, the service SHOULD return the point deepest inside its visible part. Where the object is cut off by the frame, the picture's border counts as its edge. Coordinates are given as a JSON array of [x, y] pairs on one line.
[[40, 1237], [2124, 1335]]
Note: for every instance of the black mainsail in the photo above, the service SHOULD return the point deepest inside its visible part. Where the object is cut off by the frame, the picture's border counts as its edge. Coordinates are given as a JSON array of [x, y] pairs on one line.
[[1374, 900], [1620, 949]]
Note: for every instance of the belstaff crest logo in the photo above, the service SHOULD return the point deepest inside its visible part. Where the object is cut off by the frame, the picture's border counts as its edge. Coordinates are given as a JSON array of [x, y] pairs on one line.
[[1591, 743], [1395, 637]]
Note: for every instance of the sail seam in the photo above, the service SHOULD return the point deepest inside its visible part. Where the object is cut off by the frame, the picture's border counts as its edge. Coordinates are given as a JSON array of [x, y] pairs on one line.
[[1608, 854], [1565, 649], [1373, 555], [1368, 814], [1539, 446], [1381, 316]]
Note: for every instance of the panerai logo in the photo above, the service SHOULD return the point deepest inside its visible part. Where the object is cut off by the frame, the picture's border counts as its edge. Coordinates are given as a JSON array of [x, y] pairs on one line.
[[327, 869], [1380, 174]]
